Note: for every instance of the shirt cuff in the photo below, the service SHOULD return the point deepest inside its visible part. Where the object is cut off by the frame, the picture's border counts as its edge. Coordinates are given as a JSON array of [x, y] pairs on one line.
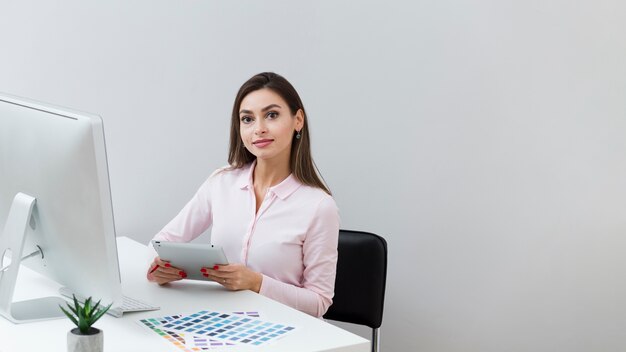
[[266, 286]]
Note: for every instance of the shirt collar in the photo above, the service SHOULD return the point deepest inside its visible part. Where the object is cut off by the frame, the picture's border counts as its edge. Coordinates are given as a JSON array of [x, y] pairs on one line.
[[282, 190], [245, 176]]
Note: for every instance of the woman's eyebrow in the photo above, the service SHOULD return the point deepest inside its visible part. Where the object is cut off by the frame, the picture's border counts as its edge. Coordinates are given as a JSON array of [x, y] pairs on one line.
[[264, 109], [270, 107]]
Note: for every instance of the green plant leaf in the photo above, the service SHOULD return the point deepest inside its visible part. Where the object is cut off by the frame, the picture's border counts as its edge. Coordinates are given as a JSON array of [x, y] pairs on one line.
[[85, 315], [72, 309], [100, 313], [76, 305], [69, 316], [83, 326], [94, 310], [87, 307], [79, 312]]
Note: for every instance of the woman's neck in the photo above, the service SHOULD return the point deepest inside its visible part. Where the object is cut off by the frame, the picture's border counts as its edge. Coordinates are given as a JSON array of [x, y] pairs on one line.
[[268, 173]]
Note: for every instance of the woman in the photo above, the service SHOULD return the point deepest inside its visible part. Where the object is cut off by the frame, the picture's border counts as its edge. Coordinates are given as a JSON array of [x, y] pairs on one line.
[[269, 210]]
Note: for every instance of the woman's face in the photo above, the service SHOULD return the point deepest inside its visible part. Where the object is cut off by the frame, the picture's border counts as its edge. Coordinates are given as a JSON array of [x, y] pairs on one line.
[[267, 126]]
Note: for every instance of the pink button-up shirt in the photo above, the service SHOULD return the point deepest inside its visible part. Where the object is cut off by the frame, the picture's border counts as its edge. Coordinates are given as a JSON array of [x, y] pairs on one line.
[[291, 240]]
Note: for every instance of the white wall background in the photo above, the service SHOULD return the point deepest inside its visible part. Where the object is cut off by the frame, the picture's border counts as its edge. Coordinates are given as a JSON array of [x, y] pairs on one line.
[[485, 140]]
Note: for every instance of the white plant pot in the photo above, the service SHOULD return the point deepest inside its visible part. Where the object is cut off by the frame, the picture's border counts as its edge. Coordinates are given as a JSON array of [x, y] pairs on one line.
[[85, 343]]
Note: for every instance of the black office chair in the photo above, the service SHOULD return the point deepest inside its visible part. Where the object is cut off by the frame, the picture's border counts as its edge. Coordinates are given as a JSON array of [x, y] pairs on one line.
[[360, 283]]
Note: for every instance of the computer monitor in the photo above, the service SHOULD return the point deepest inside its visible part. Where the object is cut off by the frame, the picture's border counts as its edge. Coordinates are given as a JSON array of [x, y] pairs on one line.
[[55, 194]]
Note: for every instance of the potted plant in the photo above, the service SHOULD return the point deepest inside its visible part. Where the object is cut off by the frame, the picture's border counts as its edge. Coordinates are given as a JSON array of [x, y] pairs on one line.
[[85, 338]]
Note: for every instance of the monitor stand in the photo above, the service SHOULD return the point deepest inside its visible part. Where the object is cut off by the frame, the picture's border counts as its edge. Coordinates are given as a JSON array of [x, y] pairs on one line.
[[12, 240]]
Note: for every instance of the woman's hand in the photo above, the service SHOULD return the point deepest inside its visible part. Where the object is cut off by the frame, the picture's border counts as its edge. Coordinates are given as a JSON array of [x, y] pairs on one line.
[[162, 272], [234, 277]]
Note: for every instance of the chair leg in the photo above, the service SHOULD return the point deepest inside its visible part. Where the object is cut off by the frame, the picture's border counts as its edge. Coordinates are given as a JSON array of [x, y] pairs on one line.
[[375, 340]]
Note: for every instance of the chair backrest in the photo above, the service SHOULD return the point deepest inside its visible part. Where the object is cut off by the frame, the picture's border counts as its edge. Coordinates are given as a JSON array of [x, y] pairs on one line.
[[361, 279]]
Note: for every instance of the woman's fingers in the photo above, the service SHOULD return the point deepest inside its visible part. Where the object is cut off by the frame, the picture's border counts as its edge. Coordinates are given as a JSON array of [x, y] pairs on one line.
[[232, 276], [163, 272], [216, 273], [162, 277], [168, 273]]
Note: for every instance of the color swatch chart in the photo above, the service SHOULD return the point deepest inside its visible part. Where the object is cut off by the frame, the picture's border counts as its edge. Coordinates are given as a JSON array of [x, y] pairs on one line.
[[226, 327], [180, 341], [206, 330]]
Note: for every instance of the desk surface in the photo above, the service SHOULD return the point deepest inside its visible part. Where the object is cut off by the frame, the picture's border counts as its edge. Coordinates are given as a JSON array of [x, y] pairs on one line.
[[125, 334]]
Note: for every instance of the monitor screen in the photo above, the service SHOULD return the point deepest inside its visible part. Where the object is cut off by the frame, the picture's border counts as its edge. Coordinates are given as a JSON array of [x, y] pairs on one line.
[[57, 156]]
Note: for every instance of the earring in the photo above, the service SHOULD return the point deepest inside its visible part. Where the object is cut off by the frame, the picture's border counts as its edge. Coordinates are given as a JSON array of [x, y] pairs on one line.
[[298, 135]]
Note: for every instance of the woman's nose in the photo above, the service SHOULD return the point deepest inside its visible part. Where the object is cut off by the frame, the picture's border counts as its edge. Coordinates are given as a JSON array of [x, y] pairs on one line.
[[260, 128]]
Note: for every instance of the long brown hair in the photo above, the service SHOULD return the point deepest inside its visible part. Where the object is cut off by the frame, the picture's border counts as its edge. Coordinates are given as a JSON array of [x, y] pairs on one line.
[[300, 161]]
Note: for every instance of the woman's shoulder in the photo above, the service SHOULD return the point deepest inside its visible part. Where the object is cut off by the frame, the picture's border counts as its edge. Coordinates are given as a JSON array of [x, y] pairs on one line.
[[227, 174], [230, 171], [320, 205], [220, 171], [317, 195]]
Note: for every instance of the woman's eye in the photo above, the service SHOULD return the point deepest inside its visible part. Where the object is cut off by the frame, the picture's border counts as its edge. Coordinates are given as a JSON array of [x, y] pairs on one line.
[[246, 119], [272, 114]]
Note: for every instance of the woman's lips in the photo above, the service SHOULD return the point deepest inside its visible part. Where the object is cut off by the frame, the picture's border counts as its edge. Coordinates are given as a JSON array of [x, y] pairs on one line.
[[262, 143]]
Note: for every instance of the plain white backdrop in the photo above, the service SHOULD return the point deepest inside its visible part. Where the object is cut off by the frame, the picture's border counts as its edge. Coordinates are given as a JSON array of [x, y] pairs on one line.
[[485, 140]]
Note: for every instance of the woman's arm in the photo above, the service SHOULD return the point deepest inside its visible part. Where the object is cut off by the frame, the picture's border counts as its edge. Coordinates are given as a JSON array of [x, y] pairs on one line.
[[320, 265], [192, 220]]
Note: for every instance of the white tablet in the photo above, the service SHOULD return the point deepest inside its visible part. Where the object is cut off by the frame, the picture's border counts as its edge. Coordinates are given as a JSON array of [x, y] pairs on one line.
[[190, 257]]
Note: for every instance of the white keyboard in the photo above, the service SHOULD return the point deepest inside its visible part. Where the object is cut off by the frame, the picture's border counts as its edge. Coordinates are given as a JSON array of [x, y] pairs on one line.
[[128, 304], [131, 305]]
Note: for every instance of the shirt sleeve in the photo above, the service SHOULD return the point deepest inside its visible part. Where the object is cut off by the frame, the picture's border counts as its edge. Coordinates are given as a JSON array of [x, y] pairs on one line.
[[320, 266], [195, 218]]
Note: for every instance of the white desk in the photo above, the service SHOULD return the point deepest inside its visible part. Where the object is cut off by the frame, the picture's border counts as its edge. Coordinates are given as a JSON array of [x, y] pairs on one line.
[[124, 334]]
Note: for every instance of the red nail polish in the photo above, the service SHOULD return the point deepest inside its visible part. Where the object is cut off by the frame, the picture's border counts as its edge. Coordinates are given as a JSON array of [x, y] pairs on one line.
[[205, 275], [167, 265], [203, 270], [182, 273], [215, 267]]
